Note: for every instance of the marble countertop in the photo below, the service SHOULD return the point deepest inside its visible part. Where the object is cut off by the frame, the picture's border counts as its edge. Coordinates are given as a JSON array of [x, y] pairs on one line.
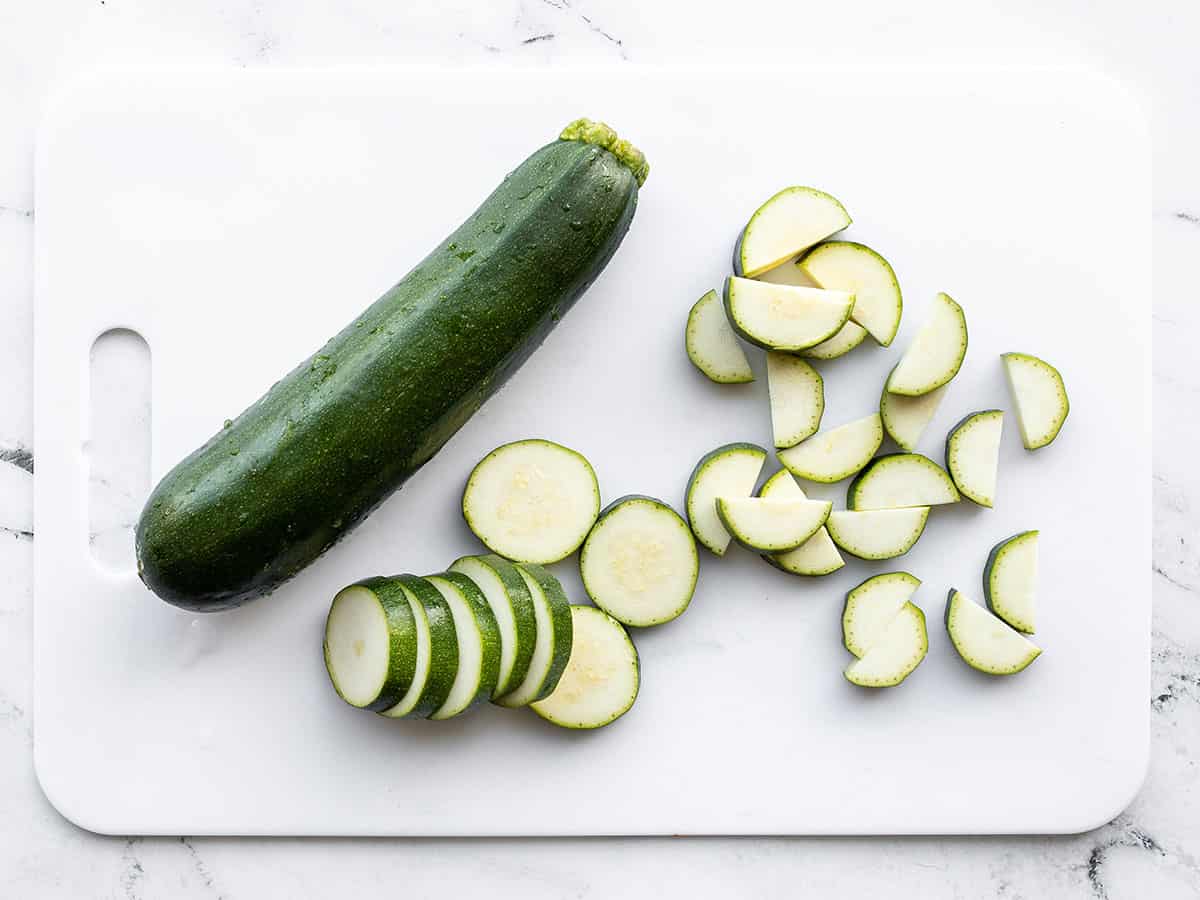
[[1151, 850]]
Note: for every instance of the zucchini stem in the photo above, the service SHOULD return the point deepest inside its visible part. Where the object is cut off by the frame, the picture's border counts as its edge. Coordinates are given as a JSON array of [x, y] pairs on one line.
[[600, 134]]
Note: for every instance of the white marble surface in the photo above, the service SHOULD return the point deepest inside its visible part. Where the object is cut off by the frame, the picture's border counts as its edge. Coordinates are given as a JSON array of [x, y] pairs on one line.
[[1149, 851]]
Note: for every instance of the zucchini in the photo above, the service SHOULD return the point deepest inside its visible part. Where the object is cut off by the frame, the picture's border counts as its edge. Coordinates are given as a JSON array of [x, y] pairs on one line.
[[973, 455], [440, 662], [478, 644], [936, 353], [554, 636], [1040, 396], [371, 644], [639, 563], [816, 556], [1010, 578], [850, 336], [837, 453], [894, 655], [786, 225], [512, 605], [772, 525], [601, 680], [532, 501], [304, 464], [783, 317], [898, 480], [905, 418], [797, 394], [847, 266], [711, 344], [877, 533], [871, 606], [984, 641], [728, 471]]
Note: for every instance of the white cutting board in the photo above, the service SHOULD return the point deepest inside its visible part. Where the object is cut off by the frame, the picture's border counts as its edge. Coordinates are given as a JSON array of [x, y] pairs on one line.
[[238, 218]]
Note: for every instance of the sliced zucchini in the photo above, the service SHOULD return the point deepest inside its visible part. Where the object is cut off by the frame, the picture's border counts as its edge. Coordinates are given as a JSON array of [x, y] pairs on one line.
[[899, 480], [905, 418], [877, 533], [437, 651], [797, 398], [816, 556], [899, 649], [850, 336], [729, 471], [784, 317], [847, 266], [1041, 398], [936, 353], [785, 226], [871, 606], [600, 682], [478, 643], [772, 525], [787, 274], [837, 453], [1010, 579], [973, 455], [640, 564], [554, 636], [512, 605], [984, 641], [532, 501], [711, 344], [371, 644]]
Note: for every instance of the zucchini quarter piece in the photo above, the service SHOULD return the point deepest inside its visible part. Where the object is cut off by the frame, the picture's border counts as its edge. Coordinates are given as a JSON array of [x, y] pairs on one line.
[[797, 398], [895, 653], [772, 525], [784, 317], [816, 556], [847, 266], [984, 641], [728, 471], [871, 606], [711, 344], [897, 480], [877, 533], [1041, 398], [836, 453], [936, 353], [601, 680], [786, 225], [973, 455], [1010, 580], [905, 418]]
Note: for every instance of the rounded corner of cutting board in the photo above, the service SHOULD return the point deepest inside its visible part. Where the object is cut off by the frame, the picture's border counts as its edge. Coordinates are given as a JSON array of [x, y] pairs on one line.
[[65, 797]]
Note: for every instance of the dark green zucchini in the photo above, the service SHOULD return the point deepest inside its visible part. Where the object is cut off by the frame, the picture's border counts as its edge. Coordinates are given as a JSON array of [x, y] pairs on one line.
[[304, 464]]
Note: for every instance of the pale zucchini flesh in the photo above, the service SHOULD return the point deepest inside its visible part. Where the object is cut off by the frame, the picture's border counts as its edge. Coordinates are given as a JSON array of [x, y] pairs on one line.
[[728, 471], [602, 676], [711, 344], [1040, 397], [554, 637], [847, 266], [512, 605], [936, 353], [371, 644], [837, 453], [785, 226], [640, 564], [905, 418], [900, 480], [973, 455], [784, 317], [878, 533], [772, 525], [797, 394], [984, 641], [532, 501], [819, 554], [1010, 580], [897, 651], [871, 606], [478, 644], [848, 337]]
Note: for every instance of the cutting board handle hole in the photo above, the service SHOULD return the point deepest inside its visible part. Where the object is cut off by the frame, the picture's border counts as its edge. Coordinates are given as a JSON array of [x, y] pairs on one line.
[[117, 447]]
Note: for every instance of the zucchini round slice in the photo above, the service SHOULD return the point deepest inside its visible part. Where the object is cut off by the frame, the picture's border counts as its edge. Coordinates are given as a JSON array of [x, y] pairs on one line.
[[905, 418], [847, 266], [532, 501], [772, 525], [711, 344], [897, 651], [640, 564], [797, 398], [1041, 398], [478, 644], [1010, 580], [728, 471], [848, 337], [601, 680], [554, 637], [877, 533], [871, 606], [837, 453], [371, 644], [816, 556], [512, 605], [973, 455], [440, 664], [782, 316], [984, 641], [936, 353], [786, 225], [900, 480]]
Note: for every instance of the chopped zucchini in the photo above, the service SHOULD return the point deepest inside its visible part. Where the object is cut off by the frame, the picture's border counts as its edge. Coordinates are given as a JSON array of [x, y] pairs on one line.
[[899, 649], [847, 266], [437, 656], [478, 644], [784, 317], [512, 605], [554, 636], [837, 453], [973, 455], [600, 682], [532, 501], [899, 480], [850, 336], [877, 533], [797, 398], [1010, 579], [1041, 398], [371, 644], [711, 344], [936, 353], [984, 641], [816, 556], [728, 471], [772, 525], [871, 606], [640, 564], [905, 418], [785, 226]]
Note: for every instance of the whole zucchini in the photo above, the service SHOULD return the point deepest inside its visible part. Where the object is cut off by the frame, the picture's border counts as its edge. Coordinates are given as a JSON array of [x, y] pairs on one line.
[[328, 443]]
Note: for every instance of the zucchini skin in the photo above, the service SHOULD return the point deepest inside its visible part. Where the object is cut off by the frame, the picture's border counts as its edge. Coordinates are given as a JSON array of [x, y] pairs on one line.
[[304, 464]]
